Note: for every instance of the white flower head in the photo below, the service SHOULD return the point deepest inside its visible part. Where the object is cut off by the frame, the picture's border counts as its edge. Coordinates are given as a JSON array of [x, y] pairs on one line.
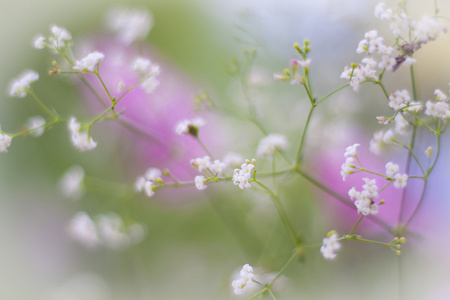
[[150, 84], [153, 174], [391, 169], [246, 277], [232, 159], [5, 142], [242, 176], [200, 182], [60, 37], [80, 139], [84, 230], [189, 126], [269, 144], [217, 167], [39, 42], [330, 245], [351, 150], [130, 24], [400, 180], [36, 125], [71, 184], [89, 62], [20, 86], [347, 168], [201, 163]]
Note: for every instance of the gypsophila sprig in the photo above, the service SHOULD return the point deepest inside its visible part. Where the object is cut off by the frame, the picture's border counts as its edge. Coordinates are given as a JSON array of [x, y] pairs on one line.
[[244, 175], [71, 184], [5, 141], [245, 278], [80, 138], [89, 63], [130, 24], [330, 245], [190, 126], [20, 86]]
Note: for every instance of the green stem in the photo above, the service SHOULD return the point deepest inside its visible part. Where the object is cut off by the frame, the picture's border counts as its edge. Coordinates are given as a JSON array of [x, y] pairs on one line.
[[332, 93], [104, 86], [356, 225], [302, 141], [286, 265], [53, 115], [205, 148]]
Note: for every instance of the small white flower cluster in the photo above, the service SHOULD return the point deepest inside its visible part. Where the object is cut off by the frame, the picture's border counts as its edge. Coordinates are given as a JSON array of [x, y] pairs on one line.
[[232, 159], [246, 277], [348, 167], [80, 138], [148, 72], [360, 73], [5, 142], [269, 144], [147, 183], [392, 171], [71, 184], [243, 175], [36, 125], [108, 230], [427, 29], [438, 108], [89, 62], [22, 84], [56, 42], [330, 245], [130, 24], [189, 126], [364, 199]]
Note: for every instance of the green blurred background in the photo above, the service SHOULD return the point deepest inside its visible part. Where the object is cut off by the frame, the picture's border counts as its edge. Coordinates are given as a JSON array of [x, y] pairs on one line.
[[192, 249]]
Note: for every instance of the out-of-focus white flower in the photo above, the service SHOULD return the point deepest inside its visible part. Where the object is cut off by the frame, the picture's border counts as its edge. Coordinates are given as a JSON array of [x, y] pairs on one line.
[[189, 126], [201, 163], [71, 184], [391, 169], [400, 180], [130, 24], [22, 84], [83, 229], [232, 159], [89, 62], [269, 144], [80, 139], [200, 182], [36, 124], [351, 150], [330, 246], [246, 277], [5, 142]]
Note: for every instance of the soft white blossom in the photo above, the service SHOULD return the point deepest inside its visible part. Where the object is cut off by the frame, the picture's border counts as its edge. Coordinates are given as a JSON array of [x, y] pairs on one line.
[[232, 159], [364, 199], [376, 142], [245, 277], [80, 138], [330, 246], [201, 163], [150, 84], [217, 167], [351, 150], [71, 184], [36, 125], [153, 174], [83, 229], [60, 36], [22, 84], [347, 168], [391, 169], [39, 42], [130, 24], [269, 144], [400, 180], [189, 125], [89, 62], [242, 176], [5, 142], [200, 182]]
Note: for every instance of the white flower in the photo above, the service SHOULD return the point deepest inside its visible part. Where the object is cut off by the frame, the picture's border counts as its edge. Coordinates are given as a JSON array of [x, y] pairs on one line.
[[71, 184], [88, 63], [376, 142], [39, 42], [269, 144], [232, 159], [242, 176], [80, 139], [401, 125], [388, 136], [153, 174], [381, 12], [201, 164], [21, 85], [391, 169], [330, 246], [351, 150], [150, 84], [246, 277], [148, 188], [429, 151], [399, 99], [112, 231], [59, 38], [200, 182], [83, 229], [364, 199], [5, 142], [145, 68], [36, 125], [400, 180], [347, 168], [189, 126], [217, 167], [439, 109], [440, 96], [139, 184], [130, 24], [429, 28]]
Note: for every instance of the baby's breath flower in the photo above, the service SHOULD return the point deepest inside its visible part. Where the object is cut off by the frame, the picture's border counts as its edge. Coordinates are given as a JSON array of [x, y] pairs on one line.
[[269, 144], [59, 38], [89, 62], [232, 159], [5, 142], [351, 150], [150, 84], [39, 42], [36, 124], [115, 234], [429, 151], [190, 126], [400, 180], [376, 142], [399, 99], [201, 164], [71, 184], [153, 174], [347, 168], [130, 24], [440, 96], [80, 139], [330, 245], [217, 167], [391, 169], [364, 199], [83, 229], [20, 86], [246, 277], [200, 182], [242, 176]]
